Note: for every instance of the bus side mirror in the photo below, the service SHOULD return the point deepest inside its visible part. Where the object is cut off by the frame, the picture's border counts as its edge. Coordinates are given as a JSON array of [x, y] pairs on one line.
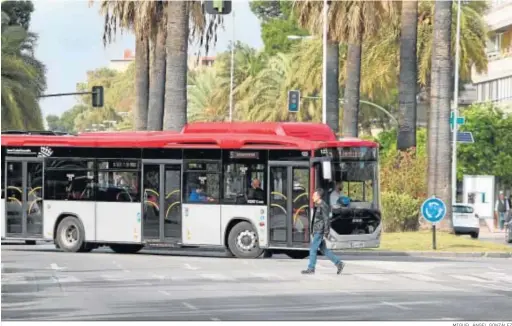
[[326, 170]]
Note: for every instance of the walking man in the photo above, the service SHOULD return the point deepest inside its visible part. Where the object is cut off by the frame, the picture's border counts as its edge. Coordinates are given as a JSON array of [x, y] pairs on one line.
[[501, 209], [321, 228]]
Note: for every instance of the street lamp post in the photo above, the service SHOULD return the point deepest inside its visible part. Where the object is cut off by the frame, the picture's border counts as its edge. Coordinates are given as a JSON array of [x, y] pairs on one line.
[[455, 109], [324, 64], [231, 82]]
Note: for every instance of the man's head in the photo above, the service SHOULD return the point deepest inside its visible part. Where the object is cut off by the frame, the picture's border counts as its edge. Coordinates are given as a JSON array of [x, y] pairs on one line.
[[255, 183], [502, 196], [318, 194]]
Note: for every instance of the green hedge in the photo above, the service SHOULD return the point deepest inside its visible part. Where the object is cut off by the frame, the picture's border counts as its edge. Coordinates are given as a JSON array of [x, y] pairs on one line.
[[399, 212]]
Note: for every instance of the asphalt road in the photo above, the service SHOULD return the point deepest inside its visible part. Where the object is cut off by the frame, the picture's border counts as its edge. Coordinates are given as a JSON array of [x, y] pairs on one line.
[[40, 283]]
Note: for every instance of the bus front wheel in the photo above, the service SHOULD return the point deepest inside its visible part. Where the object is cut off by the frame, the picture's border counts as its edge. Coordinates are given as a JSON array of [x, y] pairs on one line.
[[71, 235], [243, 241]]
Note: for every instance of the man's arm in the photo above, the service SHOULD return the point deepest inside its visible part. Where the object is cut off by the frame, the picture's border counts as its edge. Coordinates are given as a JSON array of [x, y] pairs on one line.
[[325, 216]]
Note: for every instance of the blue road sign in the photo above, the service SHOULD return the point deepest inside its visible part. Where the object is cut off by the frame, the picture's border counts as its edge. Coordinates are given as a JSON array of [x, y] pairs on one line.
[[465, 137], [433, 210], [460, 120]]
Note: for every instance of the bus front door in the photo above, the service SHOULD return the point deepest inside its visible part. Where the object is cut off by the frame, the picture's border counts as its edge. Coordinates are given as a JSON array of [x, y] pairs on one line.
[[289, 205], [24, 198], [161, 204]]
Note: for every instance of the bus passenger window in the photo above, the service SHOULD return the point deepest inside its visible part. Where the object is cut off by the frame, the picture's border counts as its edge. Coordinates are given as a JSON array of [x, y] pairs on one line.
[[243, 184], [69, 179], [201, 183]]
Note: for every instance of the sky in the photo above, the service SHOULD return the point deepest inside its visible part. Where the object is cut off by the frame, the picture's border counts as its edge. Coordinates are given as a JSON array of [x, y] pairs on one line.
[[70, 43]]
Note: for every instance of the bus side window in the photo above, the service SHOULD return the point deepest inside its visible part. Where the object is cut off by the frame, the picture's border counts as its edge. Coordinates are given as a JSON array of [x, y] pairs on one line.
[[201, 181], [67, 179]]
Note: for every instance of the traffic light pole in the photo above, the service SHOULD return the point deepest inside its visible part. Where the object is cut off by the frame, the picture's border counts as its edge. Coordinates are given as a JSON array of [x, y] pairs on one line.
[[456, 107]]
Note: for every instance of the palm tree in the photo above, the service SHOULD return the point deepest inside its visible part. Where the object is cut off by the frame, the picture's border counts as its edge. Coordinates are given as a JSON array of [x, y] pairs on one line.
[[438, 123], [408, 75], [158, 65], [128, 15], [185, 21], [204, 102], [23, 79], [349, 21]]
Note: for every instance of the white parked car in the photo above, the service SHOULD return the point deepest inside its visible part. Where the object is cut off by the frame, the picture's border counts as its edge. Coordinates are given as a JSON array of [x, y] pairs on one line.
[[465, 220]]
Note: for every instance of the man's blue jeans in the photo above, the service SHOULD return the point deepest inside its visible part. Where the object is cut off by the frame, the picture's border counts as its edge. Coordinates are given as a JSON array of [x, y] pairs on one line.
[[501, 220], [318, 243]]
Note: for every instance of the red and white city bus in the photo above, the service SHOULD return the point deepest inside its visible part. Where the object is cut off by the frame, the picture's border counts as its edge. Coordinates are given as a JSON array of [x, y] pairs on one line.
[[188, 189]]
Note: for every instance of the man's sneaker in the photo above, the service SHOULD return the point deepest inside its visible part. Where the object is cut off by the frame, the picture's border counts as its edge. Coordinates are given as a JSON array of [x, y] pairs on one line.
[[308, 271], [340, 267]]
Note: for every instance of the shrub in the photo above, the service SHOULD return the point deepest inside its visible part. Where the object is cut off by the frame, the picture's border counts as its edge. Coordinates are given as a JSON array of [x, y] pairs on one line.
[[399, 212], [404, 173]]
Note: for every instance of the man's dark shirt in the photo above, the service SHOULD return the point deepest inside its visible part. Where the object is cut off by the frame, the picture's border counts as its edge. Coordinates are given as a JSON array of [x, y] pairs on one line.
[[321, 218], [256, 194]]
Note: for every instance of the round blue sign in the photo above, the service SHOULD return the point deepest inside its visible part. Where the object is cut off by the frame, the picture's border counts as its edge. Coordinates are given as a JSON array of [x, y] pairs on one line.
[[433, 210]]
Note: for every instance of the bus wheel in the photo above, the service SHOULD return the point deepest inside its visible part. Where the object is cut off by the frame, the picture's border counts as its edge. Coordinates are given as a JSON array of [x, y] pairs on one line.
[[126, 248], [297, 254], [70, 235], [30, 242], [243, 241]]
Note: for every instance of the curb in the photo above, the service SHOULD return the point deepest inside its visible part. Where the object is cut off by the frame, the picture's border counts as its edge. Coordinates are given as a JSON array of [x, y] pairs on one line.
[[427, 254]]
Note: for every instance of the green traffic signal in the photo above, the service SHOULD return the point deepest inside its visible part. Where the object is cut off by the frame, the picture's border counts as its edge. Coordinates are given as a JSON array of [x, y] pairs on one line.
[[217, 7]]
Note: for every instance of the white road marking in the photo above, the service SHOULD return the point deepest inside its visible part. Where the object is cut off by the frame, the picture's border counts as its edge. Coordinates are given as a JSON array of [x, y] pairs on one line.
[[370, 277], [56, 267], [217, 277], [214, 319], [187, 266], [189, 306], [395, 305], [420, 277], [268, 276], [165, 293], [470, 278], [160, 277]]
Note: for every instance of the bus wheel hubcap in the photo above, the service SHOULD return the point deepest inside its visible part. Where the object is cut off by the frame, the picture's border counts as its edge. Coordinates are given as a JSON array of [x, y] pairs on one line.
[[246, 240], [70, 235]]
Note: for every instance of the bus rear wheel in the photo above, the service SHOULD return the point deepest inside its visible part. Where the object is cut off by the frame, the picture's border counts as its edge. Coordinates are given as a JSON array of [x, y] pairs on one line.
[[71, 235], [243, 241], [126, 248], [297, 254]]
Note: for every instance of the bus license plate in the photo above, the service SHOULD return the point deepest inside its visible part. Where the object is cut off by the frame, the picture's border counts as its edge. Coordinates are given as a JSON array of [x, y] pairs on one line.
[[357, 244]]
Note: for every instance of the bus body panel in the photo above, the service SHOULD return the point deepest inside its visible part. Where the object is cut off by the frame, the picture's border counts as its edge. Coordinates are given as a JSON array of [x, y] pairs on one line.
[[254, 214], [118, 222], [4, 219], [354, 241], [201, 224], [84, 210]]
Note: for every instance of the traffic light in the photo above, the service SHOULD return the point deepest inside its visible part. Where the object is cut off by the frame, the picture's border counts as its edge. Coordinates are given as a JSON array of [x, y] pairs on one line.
[[218, 7], [97, 96], [293, 101]]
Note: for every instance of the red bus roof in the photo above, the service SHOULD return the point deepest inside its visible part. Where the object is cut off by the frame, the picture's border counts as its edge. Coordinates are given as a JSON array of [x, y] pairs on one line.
[[304, 130], [126, 133], [227, 141]]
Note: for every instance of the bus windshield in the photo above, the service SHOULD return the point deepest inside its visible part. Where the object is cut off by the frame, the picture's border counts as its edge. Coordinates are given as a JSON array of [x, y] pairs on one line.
[[356, 177]]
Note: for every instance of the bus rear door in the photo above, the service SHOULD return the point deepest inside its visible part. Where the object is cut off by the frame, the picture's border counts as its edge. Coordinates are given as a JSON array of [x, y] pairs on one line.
[[23, 216]]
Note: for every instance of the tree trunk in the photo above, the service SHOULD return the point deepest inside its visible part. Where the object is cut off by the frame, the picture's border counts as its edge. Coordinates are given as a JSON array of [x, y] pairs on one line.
[[141, 81], [439, 149], [157, 82], [333, 88], [175, 116], [351, 99], [408, 76]]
